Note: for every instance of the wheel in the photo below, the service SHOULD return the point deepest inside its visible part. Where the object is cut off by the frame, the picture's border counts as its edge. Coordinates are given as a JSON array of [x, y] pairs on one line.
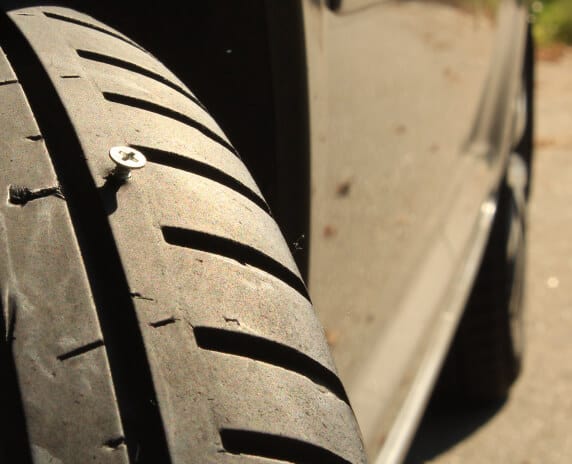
[[486, 353], [154, 319]]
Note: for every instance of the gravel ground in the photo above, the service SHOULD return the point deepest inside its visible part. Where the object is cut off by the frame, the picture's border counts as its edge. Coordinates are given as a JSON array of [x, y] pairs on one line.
[[534, 425]]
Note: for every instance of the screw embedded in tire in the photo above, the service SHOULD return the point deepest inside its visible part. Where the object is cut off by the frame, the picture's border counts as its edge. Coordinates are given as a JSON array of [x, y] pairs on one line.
[[126, 159]]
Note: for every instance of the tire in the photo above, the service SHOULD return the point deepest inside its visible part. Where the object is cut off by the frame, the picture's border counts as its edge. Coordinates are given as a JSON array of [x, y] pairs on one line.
[[486, 353], [156, 320]]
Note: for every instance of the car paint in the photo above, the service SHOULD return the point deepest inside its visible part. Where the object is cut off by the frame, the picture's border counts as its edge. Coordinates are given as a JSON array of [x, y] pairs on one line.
[[411, 114]]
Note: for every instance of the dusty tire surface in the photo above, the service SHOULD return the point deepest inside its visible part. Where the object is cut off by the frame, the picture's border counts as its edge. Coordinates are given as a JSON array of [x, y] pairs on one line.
[[161, 319]]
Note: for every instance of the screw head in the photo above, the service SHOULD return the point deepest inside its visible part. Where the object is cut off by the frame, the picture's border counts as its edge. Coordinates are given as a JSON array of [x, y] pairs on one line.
[[126, 159]]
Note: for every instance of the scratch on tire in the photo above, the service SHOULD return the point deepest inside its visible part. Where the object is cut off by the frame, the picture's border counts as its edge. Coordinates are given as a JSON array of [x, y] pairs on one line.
[[114, 443], [163, 322], [19, 195], [81, 350], [141, 297], [11, 319], [231, 319]]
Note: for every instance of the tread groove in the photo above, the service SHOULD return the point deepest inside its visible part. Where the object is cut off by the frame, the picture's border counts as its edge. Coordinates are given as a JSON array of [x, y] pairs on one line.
[[276, 447], [119, 63], [240, 252], [124, 345], [270, 352], [193, 166], [81, 350], [79, 22], [168, 113], [15, 446]]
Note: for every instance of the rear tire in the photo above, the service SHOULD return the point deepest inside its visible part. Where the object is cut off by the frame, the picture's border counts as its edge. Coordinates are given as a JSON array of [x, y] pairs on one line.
[[156, 320], [486, 353]]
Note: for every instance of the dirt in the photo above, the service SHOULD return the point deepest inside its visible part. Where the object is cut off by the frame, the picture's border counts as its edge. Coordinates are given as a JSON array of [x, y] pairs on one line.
[[533, 425]]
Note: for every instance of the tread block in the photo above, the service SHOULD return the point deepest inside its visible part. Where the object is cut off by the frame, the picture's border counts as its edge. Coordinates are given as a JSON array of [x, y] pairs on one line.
[[254, 389], [51, 309], [182, 295]]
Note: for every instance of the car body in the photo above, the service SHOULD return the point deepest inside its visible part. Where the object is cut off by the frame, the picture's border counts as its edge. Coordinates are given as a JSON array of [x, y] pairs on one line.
[[416, 120]]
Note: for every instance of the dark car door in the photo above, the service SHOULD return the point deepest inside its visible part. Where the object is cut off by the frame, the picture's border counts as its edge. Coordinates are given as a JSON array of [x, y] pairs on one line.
[[410, 119]]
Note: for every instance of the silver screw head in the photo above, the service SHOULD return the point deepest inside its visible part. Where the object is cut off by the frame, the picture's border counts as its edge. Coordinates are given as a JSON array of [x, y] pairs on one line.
[[126, 159]]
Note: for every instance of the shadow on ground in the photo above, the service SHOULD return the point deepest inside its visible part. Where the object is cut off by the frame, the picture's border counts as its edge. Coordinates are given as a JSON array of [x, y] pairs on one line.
[[446, 424]]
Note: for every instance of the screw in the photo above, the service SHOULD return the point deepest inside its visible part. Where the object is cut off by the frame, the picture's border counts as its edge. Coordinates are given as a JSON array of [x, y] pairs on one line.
[[126, 159]]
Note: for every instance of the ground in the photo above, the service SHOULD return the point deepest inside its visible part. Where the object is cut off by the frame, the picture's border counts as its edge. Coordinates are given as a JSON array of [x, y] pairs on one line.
[[533, 425]]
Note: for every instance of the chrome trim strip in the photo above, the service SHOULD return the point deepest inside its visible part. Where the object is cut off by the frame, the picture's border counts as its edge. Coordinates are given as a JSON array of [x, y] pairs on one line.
[[407, 421]]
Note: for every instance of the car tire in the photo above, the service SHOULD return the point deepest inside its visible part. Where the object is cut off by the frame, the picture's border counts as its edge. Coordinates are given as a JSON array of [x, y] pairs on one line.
[[157, 319], [486, 353]]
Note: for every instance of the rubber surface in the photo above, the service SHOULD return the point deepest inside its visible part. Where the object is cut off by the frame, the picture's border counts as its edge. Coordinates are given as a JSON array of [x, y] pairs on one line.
[[158, 320], [485, 359]]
